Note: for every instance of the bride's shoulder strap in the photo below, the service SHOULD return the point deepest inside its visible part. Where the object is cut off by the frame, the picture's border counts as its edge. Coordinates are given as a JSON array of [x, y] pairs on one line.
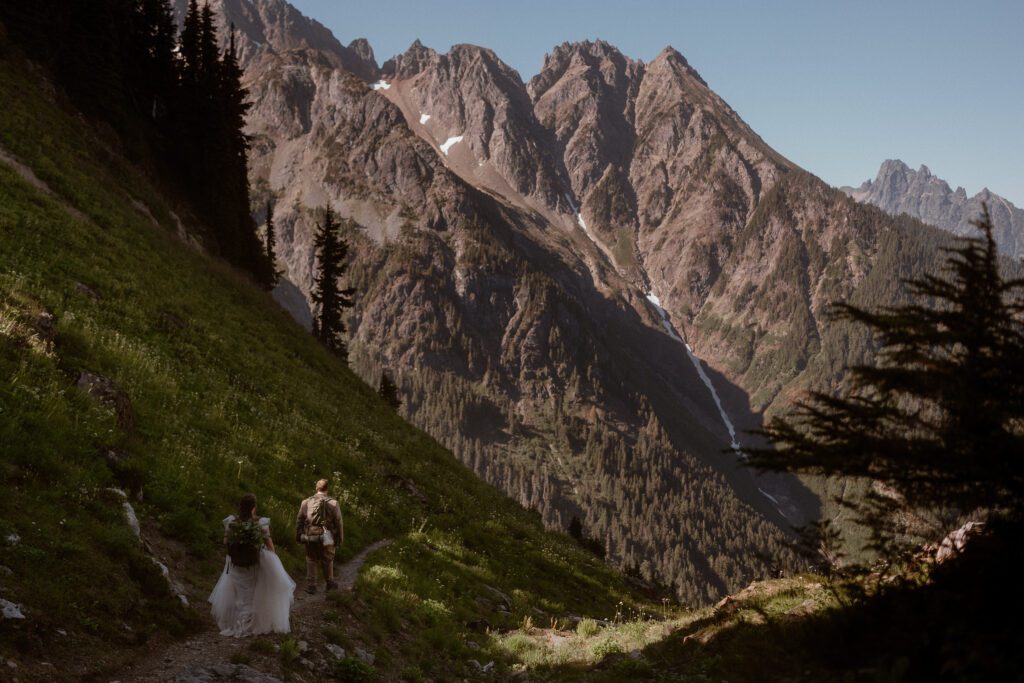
[[228, 520]]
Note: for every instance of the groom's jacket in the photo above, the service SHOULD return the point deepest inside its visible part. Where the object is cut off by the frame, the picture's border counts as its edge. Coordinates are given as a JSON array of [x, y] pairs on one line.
[[334, 524]]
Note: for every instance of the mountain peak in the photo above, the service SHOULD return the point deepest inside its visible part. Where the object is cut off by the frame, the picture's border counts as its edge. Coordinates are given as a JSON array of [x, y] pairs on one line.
[[669, 52], [362, 48], [673, 58], [891, 167], [899, 189], [409, 63]]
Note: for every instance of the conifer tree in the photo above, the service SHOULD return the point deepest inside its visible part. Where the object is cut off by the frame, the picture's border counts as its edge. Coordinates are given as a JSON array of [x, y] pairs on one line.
[[576, 528], [156, 35], [271, 245], [939, 419], [388, 391], [188, 43], [331, 251]]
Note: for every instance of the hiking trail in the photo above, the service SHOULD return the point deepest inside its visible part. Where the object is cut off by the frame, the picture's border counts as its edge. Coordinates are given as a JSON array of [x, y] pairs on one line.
[[207, 656]]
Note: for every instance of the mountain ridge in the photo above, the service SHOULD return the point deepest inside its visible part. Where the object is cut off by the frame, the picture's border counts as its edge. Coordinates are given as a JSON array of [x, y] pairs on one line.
[[899, 189], [511, 250]]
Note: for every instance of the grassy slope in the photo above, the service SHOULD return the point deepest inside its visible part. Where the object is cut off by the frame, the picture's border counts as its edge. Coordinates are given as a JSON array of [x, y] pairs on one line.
[[228, 396]]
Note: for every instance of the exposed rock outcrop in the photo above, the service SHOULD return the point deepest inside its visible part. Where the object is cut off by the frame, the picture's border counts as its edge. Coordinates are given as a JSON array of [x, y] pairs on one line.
[[899, 189]]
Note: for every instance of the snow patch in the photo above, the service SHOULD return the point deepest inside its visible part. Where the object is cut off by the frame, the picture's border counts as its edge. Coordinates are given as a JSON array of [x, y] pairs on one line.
[[381, 85], [579, 220], [447, 145], [424, 118]]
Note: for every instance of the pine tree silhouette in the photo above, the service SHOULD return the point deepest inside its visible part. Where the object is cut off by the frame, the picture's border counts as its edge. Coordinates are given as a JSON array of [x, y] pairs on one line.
[[388, 391], [576, 528], [940, 417], [331, 251], [271, 245]]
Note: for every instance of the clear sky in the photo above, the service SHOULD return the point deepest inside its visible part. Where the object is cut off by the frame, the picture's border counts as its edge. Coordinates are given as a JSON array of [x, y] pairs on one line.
[[835, 86]]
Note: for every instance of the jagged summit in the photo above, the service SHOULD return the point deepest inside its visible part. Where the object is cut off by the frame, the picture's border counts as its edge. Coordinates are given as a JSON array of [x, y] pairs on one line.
[[276, 27], [412, 61], [897, 188]]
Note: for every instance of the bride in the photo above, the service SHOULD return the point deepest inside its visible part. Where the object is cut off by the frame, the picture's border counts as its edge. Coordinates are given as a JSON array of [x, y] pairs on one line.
[[254, 593]]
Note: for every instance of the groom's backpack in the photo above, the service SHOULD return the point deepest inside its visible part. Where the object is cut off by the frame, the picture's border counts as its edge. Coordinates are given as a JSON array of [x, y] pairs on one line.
[[244, 542], [319, 516]]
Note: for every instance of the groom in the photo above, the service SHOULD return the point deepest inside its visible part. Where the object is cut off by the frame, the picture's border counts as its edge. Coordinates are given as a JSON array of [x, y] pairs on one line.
[[319, 526]]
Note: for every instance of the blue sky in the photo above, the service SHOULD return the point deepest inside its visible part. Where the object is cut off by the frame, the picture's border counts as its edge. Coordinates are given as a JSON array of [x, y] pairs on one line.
[[835, 86]]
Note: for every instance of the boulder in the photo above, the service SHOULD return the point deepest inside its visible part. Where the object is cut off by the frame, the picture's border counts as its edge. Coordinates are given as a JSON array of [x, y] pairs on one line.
[[45, 326], [727, 605], [803, 609], [506, 601], [225, 672], [108, 393], [955, 541], [86, 291], [10, 610]]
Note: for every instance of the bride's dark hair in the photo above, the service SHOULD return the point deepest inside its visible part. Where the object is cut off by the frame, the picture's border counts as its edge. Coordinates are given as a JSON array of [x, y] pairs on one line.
[[247, 506]]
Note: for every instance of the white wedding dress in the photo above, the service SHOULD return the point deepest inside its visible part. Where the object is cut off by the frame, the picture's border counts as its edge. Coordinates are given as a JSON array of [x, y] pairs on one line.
[[253, 600]]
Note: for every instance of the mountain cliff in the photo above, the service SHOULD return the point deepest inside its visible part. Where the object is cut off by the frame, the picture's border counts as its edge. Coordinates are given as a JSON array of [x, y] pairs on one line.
[[899, 189], [531, 257]]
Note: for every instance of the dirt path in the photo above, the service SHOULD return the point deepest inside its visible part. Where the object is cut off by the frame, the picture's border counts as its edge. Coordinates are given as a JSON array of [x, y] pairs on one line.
[[207, 656]]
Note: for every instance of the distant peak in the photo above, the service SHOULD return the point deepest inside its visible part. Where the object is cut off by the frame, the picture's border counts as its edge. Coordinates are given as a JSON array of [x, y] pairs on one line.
[[594, 48], [675, 59], [891, 167], [669, 52], [361, 46], [410, 62]]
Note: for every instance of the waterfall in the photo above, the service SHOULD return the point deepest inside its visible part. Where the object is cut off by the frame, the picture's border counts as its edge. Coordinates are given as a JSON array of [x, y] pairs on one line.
[[667, 324]]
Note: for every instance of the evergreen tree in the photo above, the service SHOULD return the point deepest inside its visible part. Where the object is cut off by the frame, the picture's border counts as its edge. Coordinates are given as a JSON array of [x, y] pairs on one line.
[[156, 35], [271, 245], [183, 115], [388, 391], [576, 528], [939, 419], [331, 251]]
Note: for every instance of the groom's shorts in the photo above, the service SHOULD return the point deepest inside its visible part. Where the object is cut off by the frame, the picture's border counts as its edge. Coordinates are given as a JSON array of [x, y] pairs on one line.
[[320, 552]]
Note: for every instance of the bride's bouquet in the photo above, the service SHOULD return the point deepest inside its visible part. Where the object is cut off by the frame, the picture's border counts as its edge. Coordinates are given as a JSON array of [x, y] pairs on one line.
[[244, 540]]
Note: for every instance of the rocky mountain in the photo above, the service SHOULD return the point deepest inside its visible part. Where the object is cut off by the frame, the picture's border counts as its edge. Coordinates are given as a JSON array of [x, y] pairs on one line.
[[531, 257], [899, 189]]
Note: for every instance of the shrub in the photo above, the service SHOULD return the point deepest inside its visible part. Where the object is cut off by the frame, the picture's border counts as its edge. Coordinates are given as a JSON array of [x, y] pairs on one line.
[[262, 646], [606, 647], [354, 670], [289, 650], [588, 627]]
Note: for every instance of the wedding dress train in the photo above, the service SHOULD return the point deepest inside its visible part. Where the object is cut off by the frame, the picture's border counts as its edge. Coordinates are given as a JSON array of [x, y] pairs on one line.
[[253, 600]]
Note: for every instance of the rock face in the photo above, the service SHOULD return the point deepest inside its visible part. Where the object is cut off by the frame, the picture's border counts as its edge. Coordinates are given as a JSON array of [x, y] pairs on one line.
[[471, 96], [274, 26], [509, 244], [899, 189]]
